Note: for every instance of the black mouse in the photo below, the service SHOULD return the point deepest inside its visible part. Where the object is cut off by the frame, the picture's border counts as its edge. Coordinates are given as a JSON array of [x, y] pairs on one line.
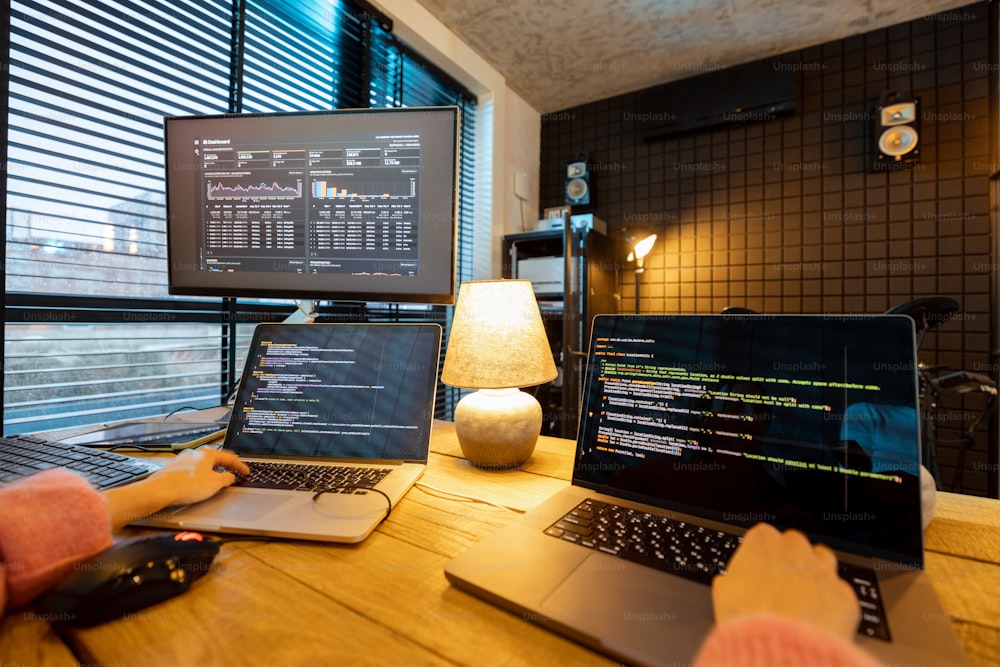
[[129, 576]]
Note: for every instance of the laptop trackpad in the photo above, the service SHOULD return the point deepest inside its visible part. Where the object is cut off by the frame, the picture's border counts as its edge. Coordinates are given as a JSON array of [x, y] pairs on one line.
[[634, 610], [235, 506]]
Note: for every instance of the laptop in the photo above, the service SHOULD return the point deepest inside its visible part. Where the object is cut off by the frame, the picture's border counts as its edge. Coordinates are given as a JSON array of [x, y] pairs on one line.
[[334, 421], [693, 428]]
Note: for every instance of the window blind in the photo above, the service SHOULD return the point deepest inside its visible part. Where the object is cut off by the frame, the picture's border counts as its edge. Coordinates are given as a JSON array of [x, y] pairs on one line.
[[295, 57], [89, 85], [91, 334], [400, 77]]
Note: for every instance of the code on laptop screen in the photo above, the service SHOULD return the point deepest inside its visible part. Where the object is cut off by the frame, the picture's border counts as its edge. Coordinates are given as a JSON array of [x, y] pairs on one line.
[[800, 421], [361, 391]]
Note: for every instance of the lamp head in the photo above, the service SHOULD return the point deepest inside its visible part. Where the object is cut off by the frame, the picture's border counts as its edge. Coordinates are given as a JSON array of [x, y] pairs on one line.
[[641, 246]]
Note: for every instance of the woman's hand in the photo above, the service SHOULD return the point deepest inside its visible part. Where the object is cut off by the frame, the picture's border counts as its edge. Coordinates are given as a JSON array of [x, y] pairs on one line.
[[193, 476], [782, 573], [198, 474]]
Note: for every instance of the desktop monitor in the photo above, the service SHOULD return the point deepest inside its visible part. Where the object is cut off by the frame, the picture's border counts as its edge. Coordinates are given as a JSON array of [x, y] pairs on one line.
[[352, 204]]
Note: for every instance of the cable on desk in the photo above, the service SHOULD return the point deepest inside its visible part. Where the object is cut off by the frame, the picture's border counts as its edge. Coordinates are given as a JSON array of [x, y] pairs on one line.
[[425, 486], [183, 408]]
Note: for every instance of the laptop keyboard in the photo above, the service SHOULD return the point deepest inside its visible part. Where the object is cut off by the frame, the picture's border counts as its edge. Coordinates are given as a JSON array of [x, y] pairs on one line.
[[23, 455], [688, 550], [865, 585], [305, 477]]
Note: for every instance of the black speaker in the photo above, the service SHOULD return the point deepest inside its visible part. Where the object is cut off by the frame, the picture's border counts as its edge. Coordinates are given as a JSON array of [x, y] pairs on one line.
[[897, 132], [577, 185]]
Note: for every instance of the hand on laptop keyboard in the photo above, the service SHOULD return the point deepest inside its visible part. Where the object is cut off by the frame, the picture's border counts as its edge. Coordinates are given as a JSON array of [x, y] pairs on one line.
[[192, 476], [782, 573], [691, 551]]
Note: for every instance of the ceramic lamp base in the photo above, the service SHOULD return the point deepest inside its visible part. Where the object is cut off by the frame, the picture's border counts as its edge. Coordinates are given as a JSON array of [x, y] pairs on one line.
[[498, 428]]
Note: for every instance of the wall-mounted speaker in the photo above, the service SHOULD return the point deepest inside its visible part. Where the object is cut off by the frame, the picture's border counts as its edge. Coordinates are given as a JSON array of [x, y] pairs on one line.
[[577, 185], [897, 132]]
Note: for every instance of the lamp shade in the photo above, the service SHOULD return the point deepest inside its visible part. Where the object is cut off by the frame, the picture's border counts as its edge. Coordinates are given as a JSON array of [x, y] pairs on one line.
[[497, 338], [643, 247], [640, 248]]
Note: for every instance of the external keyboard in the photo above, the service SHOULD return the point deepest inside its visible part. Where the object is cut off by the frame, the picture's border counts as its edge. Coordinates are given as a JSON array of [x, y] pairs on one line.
[[23, 455], [306, 477], [688, 550]]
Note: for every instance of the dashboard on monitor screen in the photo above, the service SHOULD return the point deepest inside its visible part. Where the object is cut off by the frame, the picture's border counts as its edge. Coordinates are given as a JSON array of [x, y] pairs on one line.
[[352, 204]]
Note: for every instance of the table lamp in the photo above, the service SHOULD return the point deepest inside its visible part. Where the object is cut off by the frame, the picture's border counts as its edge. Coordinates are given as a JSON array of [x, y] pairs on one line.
[[496, 345]]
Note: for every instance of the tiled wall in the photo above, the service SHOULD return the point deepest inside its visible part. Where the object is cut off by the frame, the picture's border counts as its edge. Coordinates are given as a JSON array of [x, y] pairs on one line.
[[784, 215]]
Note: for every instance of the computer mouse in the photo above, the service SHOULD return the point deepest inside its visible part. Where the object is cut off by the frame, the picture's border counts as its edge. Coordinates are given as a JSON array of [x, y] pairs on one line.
[[129, 576]]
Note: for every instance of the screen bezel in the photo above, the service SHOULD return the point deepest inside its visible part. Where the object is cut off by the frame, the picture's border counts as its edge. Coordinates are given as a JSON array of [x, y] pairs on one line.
[[437, 287]]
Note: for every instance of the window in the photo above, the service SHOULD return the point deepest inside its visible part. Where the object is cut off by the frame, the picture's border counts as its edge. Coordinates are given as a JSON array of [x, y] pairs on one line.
[[400, 78], [91, 334]]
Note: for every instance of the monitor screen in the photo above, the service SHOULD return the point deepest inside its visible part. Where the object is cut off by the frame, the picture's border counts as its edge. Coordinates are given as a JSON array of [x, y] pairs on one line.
[[353, 204]]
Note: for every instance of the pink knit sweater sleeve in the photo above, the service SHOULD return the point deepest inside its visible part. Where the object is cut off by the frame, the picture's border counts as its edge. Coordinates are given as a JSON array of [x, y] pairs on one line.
[[766, 640], [48, 522]]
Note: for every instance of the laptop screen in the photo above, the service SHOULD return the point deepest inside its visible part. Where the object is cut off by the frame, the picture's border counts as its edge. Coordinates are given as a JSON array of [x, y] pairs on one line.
[[363, 391], [800, 421]]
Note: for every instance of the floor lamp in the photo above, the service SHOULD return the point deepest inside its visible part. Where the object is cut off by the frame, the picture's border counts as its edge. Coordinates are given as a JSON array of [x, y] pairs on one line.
[[637, 254]]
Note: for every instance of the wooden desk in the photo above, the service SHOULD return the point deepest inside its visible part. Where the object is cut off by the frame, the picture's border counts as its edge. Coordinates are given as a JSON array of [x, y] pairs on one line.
[[386, 601]]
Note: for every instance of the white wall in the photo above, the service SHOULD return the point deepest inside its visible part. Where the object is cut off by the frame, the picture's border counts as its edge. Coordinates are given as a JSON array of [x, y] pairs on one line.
[[515, 130]]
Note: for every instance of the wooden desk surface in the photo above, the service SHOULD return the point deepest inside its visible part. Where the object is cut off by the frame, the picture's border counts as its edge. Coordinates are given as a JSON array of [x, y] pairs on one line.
[[386, 601]]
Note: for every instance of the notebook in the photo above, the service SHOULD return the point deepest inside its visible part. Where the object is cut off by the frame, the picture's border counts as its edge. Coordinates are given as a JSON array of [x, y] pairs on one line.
[[694, 428], [353, 403]]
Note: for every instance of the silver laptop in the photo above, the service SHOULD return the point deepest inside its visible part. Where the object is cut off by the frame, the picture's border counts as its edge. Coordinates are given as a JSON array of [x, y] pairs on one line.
[[694, 428], [334, 421]]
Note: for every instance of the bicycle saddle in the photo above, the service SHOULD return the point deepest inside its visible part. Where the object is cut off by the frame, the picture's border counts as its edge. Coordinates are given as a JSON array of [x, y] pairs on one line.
[[927, 312]]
